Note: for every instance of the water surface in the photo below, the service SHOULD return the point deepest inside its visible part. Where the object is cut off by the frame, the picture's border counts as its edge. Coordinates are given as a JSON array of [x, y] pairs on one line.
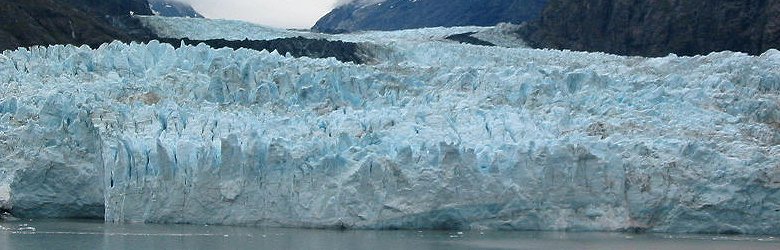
[[80, 234]]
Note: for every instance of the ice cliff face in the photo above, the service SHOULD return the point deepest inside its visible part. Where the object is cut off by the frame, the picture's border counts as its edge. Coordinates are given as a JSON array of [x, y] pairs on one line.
[[436, 135]]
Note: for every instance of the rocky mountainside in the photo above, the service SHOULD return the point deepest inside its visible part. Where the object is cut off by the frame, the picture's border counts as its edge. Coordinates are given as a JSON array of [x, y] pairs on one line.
[[409, 14], [42, 22], [658, 27], [111, 7], [173, 8]]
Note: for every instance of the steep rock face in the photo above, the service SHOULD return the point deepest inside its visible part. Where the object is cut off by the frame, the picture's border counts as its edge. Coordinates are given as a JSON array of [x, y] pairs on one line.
[[409, 14], [658, 27], [173, 8], [44, 22]]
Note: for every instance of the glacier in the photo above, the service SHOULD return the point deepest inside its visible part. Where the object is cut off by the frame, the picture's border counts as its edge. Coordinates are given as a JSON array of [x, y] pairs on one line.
[[207, 29], [433, 135]]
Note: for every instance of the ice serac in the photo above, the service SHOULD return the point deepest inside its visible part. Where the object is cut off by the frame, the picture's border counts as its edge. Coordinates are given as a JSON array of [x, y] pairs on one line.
[[439, 135]]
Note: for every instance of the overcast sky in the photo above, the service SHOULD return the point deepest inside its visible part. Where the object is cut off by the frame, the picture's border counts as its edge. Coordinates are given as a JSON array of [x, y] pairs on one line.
[[276, 13]]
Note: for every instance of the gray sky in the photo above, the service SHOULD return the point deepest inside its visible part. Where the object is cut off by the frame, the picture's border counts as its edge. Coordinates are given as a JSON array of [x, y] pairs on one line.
[[276, 13]]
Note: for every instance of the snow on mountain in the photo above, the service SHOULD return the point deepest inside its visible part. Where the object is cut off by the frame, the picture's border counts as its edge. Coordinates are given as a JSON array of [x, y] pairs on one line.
[[434, 135], [173, 8]]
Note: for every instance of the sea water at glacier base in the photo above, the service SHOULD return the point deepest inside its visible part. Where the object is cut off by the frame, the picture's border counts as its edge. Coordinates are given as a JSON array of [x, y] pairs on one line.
[[84, 234]]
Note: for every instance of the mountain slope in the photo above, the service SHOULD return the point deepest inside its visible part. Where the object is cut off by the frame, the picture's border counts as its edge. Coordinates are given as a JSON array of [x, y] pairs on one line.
[[43, 22], [111, 7], [173, 8], [658, 27], [409, 14]]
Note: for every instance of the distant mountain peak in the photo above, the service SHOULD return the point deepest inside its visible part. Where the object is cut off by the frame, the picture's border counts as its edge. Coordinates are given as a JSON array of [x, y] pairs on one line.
[[173, 8], [356, 15]]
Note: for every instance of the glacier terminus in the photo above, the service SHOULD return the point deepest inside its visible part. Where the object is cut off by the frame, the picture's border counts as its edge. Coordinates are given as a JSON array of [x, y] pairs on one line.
[[433, 134]]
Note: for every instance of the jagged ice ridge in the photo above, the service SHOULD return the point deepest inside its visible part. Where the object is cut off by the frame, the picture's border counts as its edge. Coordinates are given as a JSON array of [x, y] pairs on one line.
[[435, 135]]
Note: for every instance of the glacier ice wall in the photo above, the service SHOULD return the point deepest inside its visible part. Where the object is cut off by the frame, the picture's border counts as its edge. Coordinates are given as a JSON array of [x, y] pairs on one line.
[[438, 136]]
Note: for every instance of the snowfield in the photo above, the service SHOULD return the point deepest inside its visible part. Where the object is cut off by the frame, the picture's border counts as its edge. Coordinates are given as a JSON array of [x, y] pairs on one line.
[[434, 135]]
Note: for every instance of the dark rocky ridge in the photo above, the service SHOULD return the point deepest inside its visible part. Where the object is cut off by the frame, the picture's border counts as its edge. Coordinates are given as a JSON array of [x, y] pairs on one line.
[[296, 46], [173, 8], [111, 7], [410, 14], [468, 38], [92, 22], [658, 27]]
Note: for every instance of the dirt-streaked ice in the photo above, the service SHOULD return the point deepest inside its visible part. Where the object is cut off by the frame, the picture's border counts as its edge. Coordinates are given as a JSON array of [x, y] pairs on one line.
[[435, 135]]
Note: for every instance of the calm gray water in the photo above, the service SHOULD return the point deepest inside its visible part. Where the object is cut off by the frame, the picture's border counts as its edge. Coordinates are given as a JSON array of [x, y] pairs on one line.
[[98, 235]]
